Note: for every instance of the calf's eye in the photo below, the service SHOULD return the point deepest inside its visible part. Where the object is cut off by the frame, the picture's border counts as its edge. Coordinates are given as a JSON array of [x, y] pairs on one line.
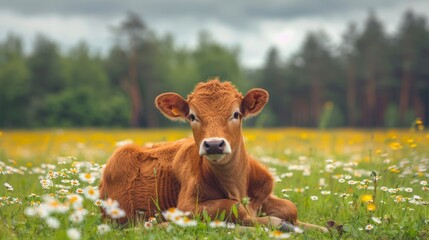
[[191, 117], [236, 115]]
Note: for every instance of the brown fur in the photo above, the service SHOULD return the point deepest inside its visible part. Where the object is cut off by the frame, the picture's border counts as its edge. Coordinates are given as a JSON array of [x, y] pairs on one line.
[[175, 175]]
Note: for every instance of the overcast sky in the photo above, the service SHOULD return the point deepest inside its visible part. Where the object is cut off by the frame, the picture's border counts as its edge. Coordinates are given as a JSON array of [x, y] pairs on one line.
[[254, 25]]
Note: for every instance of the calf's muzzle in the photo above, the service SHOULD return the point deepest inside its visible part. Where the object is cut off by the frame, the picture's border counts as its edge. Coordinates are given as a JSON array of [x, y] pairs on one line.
[[216, 146]]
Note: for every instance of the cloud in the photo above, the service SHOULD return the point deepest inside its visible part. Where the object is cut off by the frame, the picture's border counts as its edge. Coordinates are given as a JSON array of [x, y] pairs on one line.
[[233, 12], [253, 25], [66, 31]]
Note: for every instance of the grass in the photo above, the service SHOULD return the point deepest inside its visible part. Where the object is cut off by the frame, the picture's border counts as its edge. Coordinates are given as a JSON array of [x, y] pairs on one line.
[[365, 184]]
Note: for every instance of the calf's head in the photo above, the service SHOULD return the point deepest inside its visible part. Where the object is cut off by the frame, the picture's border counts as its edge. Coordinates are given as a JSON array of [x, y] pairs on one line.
[[214, 110]]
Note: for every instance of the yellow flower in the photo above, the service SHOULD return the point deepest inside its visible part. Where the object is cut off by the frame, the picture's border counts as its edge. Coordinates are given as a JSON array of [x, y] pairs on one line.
[[371, 207], [419, 121], [395, 145], [366, 198]]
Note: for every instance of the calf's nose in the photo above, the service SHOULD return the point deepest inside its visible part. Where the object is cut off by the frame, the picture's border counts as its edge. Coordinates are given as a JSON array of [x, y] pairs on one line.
[[214, 146]]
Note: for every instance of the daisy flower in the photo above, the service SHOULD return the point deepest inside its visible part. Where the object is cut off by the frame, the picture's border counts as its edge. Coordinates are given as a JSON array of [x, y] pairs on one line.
[[74, 182], [91, 193], [30, 211], [53, 222], [73, 234], [279, 235], [74, 170], [8, 186], [186, 222], [98, 202], [34, 203], [172, 213], [63, 191], [116, 213], [369, 227], [148, 224], [103, 228], [393, 190], [110, 204], [230, 225], [82, 211], [76, 217], [87, 177], [33, 195], [376, 220], [217, 223], [46, 183], [53, 205], [75, 200]]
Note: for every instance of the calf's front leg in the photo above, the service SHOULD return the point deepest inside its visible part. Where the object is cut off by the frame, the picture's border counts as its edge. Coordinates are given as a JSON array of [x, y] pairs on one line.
[[287, 211], [281, 208]]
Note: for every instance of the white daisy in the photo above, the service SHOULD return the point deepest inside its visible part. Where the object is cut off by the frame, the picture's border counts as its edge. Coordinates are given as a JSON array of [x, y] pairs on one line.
[[103, 228], [110, 204], [172, 213], [53, 222], [73, 234], [279, 235], [87, 177], [217, 223], [91, 193], [75, 200], [8, 186], [369, 227], [116, 213], [76, 217], [185, 222], [98, 202]]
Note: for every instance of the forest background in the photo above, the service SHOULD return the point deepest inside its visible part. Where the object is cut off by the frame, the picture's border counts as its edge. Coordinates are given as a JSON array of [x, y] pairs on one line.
[[370, 79]]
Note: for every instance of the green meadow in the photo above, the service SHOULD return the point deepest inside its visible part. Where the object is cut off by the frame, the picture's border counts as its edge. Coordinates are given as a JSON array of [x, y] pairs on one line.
[[361, 184]]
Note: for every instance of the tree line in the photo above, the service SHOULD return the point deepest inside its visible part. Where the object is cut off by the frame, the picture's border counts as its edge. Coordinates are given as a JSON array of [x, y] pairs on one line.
[[370, 79]]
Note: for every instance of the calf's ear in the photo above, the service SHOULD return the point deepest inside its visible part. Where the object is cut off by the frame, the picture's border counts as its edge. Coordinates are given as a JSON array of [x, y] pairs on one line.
[[254, 102], [173, 106]]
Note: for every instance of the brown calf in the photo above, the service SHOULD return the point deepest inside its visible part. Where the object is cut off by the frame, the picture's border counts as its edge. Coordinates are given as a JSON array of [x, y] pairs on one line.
[[210, 171]]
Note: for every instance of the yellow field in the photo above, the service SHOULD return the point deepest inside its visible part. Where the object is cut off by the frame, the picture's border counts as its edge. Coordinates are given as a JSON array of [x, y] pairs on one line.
[[42, 145]]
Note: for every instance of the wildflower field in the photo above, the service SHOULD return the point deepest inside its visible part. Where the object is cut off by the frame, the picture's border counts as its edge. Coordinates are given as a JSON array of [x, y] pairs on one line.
[[361, 184]]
